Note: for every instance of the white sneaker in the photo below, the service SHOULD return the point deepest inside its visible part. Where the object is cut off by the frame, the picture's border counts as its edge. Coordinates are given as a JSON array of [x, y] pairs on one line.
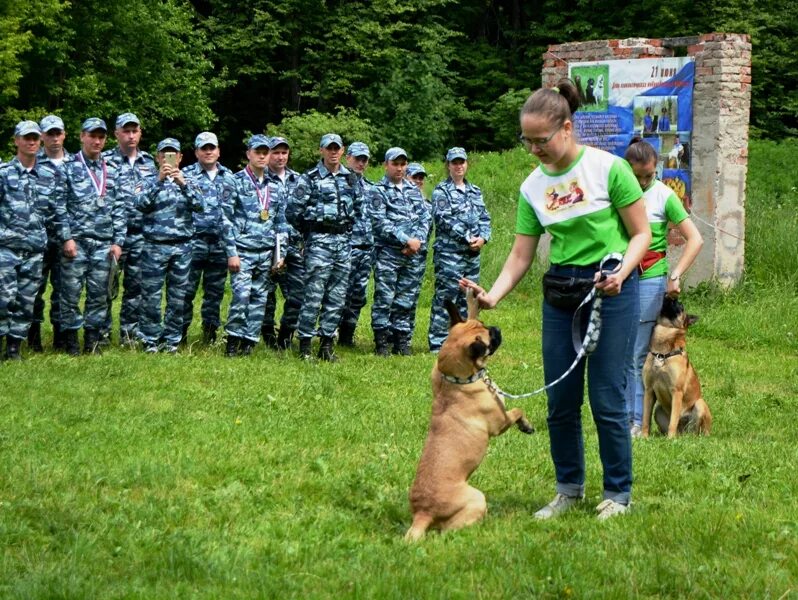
[[636, 431], [610, 508], [556, 507]]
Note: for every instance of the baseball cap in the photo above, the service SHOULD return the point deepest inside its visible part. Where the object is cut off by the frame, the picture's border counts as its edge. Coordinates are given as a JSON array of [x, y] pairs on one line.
[[51, 122], [456, 152], [331, 138], [358, 149], [415, 169], [278, 141], [126, 118], [26, 127], [258, 141], [394, 153], [93, 124], [168, 143], [206, 138]]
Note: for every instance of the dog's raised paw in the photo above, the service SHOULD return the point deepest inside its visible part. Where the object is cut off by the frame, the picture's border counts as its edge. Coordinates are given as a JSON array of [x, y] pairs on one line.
[[526, 427]]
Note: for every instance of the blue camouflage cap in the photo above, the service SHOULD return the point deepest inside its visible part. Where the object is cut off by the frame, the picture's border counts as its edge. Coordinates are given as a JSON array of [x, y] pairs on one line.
[[456, 152], [415, 169], [278, 141], [26, 127], [331, 138], [168, 143], [394, 153], [51, 122], [358, 149], [258, 141], [206, 138], [93, 123], [126, 118]]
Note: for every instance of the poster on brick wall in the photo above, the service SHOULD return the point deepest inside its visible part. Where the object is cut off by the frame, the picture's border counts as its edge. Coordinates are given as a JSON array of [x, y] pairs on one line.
[[647, 97]]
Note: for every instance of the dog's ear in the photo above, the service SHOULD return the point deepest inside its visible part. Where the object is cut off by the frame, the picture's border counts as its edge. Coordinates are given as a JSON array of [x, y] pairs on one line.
[[454, 313], [690, 320], [473, 304], [477, 349]]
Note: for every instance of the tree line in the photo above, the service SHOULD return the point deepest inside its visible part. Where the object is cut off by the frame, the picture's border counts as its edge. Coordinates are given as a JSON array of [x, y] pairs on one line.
[[426, 74]]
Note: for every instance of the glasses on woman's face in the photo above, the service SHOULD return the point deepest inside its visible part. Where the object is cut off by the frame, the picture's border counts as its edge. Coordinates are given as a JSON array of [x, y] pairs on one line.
[[540, 143]]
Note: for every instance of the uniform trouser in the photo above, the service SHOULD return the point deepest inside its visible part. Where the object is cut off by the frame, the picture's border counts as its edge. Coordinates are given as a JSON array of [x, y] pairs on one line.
[[252, 285], [362, 263], [420, 267], [20, 276], [291, 282], [606, 379], [51, 267], [209, 263], [130, 265], [90, 268], [169, 264], [327, 264], [449, 267], [397, 285]]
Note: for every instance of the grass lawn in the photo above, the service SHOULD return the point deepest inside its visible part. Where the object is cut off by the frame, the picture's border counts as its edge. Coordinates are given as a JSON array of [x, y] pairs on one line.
[[195, 476]]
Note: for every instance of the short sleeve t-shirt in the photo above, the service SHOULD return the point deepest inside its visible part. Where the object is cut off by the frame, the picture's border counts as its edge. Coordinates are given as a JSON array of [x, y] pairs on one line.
[[579, 207], [662, 207]]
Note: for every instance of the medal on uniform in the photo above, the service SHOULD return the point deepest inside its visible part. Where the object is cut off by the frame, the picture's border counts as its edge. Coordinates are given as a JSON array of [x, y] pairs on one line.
[[264, 215], [263, 199], [98, 182]]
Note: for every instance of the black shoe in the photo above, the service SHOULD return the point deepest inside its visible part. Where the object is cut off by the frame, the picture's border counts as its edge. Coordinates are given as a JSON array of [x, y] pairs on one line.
[[233, 344], [246, 347], [401, 343], [208, 334], [184, 337], [12, 348], [381, 342], [326, 352], [91, 341], [71, 344], [269, 337], [35, 337], [284, 337], [103, 340], [346, 335], [58, 338], [127, 338], [304, 348]]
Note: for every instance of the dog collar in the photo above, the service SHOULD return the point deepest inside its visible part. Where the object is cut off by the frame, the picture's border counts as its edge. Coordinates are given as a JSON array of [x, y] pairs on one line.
[[668, 355], [464, 380]]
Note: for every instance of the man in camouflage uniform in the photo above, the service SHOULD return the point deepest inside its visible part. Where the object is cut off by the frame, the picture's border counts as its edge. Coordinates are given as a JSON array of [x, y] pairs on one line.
[[401, 221], [91, 223], [417, 174], [23, 237], [291, 276], [209, 258], [462, 228], [167, 205], [324, 207], [50, 161], [133, 167], [357, 159], [253, 223]]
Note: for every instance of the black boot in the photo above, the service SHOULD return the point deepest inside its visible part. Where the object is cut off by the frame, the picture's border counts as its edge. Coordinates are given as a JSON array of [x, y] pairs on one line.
[[233, 344], [208, 333], [58, 338], [284, 337], [346, 335], [401, 343], [184, 337], [269, 337], [35, 337], [71, 342], [91, 341], [246, 348], [381, 342], [12, 348], [326, 349], [304, 348]]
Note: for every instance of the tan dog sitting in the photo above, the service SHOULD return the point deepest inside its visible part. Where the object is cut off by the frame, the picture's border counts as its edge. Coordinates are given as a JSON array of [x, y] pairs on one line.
[[670, 380], [466, 412]]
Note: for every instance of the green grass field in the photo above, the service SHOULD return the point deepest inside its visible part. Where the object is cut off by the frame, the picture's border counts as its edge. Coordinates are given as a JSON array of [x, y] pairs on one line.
[[196, 476]]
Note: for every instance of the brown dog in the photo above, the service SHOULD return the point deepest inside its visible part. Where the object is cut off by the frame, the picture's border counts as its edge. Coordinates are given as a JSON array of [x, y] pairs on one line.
[[669, 378], [466, 412]]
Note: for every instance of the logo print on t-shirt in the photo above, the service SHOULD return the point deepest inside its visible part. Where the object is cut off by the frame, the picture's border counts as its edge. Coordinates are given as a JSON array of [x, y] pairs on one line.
[[560, 196]]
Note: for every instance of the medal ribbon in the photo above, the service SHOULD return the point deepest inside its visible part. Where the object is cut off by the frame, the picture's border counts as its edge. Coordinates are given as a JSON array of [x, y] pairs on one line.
[[263, 199], [99, 183]]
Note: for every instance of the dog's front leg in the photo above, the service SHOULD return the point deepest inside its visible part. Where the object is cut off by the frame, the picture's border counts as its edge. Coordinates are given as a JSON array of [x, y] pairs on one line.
[[648, 408], [676, 413], [516, 416]]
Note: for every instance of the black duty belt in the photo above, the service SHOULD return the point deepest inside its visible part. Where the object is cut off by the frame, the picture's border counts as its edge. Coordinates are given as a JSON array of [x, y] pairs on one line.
[[329, 228], [211, 238], [181, 240]]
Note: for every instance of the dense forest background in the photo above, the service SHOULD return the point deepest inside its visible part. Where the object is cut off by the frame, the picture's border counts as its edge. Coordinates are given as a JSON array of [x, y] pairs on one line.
[[425, 74]]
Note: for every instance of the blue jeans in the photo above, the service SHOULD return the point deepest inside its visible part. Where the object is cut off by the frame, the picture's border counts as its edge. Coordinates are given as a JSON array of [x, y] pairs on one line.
[[606, 377], [652, 291]]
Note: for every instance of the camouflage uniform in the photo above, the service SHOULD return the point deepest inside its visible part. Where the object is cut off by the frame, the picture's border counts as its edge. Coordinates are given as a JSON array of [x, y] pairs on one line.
[[130, 179], [252, 225], [25, 209], [209, 258], [398, 215], [459, 216], [323, 208], [167, 229], [95, 222]]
